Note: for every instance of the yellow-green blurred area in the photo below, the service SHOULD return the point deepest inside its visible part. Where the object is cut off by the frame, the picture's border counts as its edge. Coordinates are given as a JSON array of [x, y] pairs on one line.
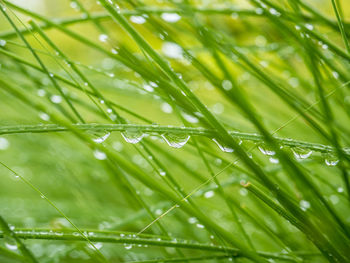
[[196, 39]]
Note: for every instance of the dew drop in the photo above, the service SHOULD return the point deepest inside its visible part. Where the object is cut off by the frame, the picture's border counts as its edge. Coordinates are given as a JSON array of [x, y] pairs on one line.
[[309, 26], [273, 160], [41, 92], [2, 42], [176, 140], [103, 38], [300, 153], [209, 194], [137, 19], [99, 155], [274, 12], [226, 84], [148, 88], [172, 50], [74, 5], [4, 143], [266, 151], [192, 220], [304, 205], [132, 135], [189, 118], [223, 147], [102, 138], [170, 17], [56, 99], [331, 160], [10, 242], [128, 246], [166, 107], [200, 226], [259, 11], [44, 116]]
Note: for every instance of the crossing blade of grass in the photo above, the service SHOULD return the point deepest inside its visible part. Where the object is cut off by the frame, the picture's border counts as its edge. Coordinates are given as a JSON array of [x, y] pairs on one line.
[[14, 242]]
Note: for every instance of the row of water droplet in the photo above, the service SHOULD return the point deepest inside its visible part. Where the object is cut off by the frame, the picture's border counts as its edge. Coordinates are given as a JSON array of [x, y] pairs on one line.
[[179, 140]]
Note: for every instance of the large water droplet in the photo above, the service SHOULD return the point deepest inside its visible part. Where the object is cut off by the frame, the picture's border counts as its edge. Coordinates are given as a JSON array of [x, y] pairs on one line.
[[209, 194], [176, 140], [137, 19], [189, 118], [170, 17], [56, 99], [4, 143], [265, 150], [132, 135], [2, 42], [103, 38], [222, 147], [331, 160], [128, 246], [102, 138], [172, 50], [304, 205], [10, 242], [99, 155], [301, 153]]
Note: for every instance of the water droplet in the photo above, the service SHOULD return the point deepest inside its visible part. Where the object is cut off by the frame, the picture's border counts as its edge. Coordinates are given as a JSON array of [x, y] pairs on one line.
[[148, 88], [102, 138], [274, 12], [4, 143], [56, 99], [176, 140], [273, 160], [166, 107], [99, 155], [2, 42], [223, 147], [259, 11], [44, 116], [300, 153], [335, 74], [41, 92], [309, 26], [192, 220], [10, 242], [266, 151], [189, 118], [209, 194], [132, 135], [243, 192], [137, 19], [340, 190], [226, 84], [334, 199], [170, 17], [128, 246], [304, 205], [162, 173], [74, 5], [331, 160], [172, 50], [103, 38], [200, 226]]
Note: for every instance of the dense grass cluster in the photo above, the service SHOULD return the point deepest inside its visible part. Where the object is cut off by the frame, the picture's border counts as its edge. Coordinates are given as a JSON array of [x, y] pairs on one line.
[[174, 131]]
